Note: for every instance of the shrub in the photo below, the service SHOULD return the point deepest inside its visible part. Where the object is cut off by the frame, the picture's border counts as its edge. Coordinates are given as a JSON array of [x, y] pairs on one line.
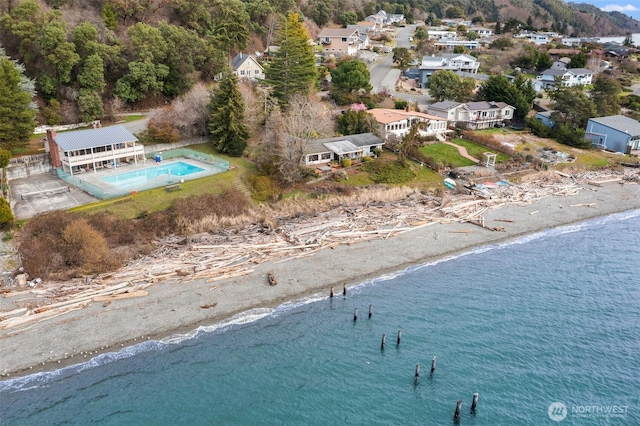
[[263, 188], [400, 104], [346, 162], [537, 127], [377, 151], [366, 159], [6, 215]]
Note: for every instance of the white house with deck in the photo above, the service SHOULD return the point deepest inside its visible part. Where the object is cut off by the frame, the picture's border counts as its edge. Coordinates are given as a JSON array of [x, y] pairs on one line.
[[82, 151]]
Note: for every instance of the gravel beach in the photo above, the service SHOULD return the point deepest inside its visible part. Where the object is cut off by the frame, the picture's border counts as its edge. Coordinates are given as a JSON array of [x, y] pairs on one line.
[[176, 307]]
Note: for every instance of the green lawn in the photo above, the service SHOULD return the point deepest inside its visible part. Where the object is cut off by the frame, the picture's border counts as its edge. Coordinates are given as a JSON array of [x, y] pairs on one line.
[[477, 151], [130, 118], [446, 154]]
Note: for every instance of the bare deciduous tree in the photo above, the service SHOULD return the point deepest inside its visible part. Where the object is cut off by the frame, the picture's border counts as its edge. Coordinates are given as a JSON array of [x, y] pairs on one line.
[[287, 134], [188, 113]]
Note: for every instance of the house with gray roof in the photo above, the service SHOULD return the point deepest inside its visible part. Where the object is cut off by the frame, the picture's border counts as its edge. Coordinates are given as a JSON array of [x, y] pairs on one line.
[[245, 66], [473, 115], [614, 133], [566, 77], [87, 150], [353, 147]]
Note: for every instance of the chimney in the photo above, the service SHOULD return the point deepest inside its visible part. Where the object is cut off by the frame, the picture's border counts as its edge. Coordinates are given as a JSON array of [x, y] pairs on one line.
[[54, 153]]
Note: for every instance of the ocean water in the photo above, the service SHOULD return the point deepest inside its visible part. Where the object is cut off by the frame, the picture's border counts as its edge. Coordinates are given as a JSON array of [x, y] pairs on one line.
[[546, 329]]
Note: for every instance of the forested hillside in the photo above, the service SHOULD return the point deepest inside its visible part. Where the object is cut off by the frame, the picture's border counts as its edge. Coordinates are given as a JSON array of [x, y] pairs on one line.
[[91, 58]]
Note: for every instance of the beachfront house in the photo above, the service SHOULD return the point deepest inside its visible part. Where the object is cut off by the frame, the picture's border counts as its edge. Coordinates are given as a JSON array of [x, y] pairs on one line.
[[614, 133], [397, 122], [247, 67], [473, 115], [81, 151], [353, 147]]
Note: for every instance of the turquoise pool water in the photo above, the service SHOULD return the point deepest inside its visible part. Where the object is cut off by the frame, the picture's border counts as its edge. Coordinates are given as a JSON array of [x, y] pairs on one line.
[[162, 173]]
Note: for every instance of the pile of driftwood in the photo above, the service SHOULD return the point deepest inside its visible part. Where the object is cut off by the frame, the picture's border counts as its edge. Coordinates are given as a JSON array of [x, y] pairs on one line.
[[232, 253]]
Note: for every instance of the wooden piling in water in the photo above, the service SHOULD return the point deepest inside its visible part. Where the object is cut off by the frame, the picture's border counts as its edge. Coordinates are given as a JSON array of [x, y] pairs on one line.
[[433, 365], [384, 341], [355, 315], [474, 403], [417, 370], [370, 310], [456, 415], [344, 290], [331, 293], [399, 336]]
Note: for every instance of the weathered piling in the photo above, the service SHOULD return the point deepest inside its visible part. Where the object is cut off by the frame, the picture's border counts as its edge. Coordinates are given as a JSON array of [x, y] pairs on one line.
[[384, 341], [474, 403], [344, 290], [331, 293], [370, 310], [399, 337], [456, 415], [417, 370], [433, 365], [355, 315]]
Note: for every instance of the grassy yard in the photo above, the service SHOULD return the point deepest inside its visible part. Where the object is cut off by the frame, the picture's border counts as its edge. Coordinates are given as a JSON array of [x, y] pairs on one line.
[[446, 154], [477, 151]]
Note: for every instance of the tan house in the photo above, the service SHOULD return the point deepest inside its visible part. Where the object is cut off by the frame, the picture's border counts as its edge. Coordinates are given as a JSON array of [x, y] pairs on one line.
[[339, 41], [398, 122], [247, 67]]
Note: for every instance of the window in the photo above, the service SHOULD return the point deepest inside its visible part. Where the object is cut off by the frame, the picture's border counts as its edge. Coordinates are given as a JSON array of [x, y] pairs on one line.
[[313, 157], [326, 156], [344, 39], [242, 72]]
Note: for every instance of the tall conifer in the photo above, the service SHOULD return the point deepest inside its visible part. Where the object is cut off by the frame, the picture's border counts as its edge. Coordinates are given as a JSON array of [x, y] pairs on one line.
[[293, 70], [226, 124]]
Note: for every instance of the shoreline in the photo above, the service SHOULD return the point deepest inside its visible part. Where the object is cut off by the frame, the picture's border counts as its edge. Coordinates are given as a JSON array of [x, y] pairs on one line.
[[174, 307]]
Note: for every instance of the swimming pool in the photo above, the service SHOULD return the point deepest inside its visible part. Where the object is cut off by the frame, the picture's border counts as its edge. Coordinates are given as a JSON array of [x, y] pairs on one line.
[[162, 173]]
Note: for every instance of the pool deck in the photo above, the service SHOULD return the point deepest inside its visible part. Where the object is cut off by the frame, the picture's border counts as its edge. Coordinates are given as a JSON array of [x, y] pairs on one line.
[[95, 177]]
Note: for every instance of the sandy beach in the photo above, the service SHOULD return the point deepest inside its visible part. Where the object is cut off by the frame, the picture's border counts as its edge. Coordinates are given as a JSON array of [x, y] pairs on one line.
[[174, 307]]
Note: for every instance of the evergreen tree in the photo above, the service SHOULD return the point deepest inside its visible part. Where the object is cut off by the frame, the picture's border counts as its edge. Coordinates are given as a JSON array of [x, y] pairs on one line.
[[356, 122], [604, 94], [228, 132], [17, 117], [293, 70]]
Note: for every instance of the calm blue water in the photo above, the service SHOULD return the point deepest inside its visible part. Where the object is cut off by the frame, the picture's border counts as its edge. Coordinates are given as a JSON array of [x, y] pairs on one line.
[[136, 177], [553, 317]]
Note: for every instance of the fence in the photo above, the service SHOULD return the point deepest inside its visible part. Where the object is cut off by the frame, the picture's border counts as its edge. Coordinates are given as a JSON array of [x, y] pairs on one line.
[[214, 166]]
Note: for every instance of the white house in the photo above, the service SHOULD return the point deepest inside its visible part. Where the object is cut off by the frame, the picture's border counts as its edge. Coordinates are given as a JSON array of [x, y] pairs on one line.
[[452, 44], [442, 35], [353, 147], [247, 67], [615, 133], [481, 31], [473, 115], [84, 150], [398, 122], [566, 77], [446, 61]]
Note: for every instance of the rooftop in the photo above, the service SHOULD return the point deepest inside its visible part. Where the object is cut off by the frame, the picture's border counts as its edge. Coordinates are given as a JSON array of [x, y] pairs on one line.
[[386, 116], [91, 138], [620, 123]]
